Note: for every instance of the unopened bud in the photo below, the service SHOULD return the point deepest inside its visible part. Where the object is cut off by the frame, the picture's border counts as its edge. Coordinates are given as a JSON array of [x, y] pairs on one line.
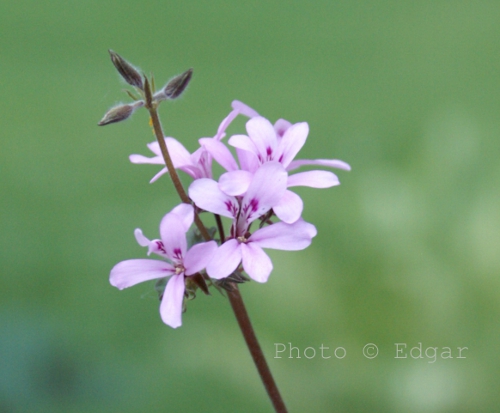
[[177, 85], [117, 114], [128, 72]]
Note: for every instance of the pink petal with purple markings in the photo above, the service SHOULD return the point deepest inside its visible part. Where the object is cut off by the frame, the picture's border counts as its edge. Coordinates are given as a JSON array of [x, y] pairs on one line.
[[280, 127], [173, 235], [206, 194], [266, 190], [263, 135], [293, 141]]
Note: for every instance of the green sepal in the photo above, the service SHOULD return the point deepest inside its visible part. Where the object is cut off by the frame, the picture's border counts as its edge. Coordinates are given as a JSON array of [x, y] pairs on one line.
[[194, 236]]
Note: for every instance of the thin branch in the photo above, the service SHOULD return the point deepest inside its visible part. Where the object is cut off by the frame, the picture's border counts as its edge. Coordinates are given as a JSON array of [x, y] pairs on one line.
[[255, 350], [220, 228], [155, 120]]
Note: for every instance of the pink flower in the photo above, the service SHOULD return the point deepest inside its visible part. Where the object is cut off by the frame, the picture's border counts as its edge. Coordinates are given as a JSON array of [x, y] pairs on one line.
[[248, 249], [199, 163], [279, 143], [180, 262], [265, 190]]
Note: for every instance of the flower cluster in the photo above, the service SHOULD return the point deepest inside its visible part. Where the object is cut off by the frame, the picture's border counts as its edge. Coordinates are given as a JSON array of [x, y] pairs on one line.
[[254, 191]]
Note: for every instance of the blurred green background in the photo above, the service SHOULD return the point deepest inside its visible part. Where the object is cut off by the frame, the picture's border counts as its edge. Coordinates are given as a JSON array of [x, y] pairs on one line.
[[408, 245]]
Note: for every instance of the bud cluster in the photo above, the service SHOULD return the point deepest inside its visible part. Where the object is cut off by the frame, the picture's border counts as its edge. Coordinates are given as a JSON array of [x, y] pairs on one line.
[[172, 90]]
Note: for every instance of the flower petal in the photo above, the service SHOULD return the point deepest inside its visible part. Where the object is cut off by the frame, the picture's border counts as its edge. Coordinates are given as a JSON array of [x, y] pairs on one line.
[[266, 190], [313, 179], [141, 239], [192, 170], [201, 164], [289, 208], [263, 135], [293, 140], [220, 153], [281, 236], [132, 272], [332, 163], [173, 235], [225, 123], [141, 159], [155, 148], [206, 194], [185, 212], [248, 160], [171, 303], [154, 246], [243, 142], [281, 126], [244, 109], [162, 172], [225, 260], [199, 256], [179, 154], [235, 183], [256, 262]]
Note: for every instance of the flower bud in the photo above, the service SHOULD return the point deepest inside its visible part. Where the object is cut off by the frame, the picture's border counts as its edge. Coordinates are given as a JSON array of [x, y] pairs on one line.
[[129, 73], [117, 114], [177, 85]]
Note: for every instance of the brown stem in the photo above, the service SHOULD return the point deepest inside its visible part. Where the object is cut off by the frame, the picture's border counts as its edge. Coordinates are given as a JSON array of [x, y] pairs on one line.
[[255, 350], [220, 228], [150, 105]]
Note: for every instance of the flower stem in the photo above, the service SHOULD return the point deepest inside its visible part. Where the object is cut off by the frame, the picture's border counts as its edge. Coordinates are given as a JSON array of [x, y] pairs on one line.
[[155, 120], [220, 228], [234, 295], [255, 350]]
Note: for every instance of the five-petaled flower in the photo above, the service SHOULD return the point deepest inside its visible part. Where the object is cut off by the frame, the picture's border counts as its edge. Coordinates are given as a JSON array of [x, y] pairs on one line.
[[265, 190], [278, 143], [180, 262]]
